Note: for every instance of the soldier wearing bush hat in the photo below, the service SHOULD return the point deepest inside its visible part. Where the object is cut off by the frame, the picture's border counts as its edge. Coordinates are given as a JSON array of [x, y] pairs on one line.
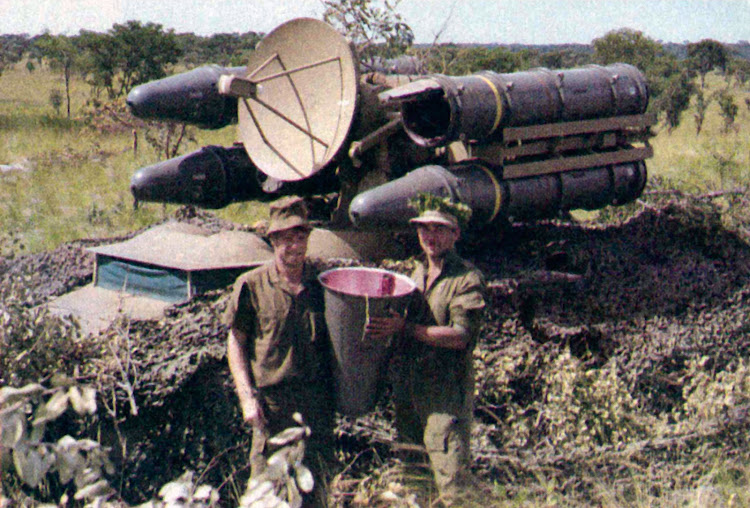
[[287, 213], [436, 217], [278, 348], [435, 389]]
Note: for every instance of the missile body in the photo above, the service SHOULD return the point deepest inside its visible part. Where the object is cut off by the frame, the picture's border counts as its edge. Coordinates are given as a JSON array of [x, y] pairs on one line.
[[490, 197], [214, 177], [191, 97], [441, 109]]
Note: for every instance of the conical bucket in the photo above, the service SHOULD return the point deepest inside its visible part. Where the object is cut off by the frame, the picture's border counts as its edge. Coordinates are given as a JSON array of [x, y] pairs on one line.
[[352, 295]]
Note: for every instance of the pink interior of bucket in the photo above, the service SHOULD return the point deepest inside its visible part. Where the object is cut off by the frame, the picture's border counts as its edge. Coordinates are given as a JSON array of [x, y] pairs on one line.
[[367, 282]]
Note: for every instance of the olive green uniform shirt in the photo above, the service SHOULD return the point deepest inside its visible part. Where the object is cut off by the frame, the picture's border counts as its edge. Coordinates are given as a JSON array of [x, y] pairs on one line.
[[455, 298], [286, 332]]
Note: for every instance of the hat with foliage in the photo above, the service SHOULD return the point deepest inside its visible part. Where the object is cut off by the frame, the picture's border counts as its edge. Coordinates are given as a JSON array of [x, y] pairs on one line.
[[287, 213], [437, 210]]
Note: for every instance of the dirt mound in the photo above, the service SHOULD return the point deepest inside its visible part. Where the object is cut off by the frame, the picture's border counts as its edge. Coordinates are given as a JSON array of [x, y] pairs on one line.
[[603, 345]]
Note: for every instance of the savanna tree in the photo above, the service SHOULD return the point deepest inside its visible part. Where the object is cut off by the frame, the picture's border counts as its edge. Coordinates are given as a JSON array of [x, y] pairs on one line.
[[669, 84], [61, 52], [675, 98], [144, 52], [701, 105], [12, 49], [128, 55], [229, 48], [705, 56], [100, 61], [374, 27], [728, 108], [628, 46], [740, 69]]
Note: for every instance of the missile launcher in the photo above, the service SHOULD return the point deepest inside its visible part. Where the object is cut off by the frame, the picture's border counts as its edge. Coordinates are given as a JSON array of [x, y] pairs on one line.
[[524, 145]]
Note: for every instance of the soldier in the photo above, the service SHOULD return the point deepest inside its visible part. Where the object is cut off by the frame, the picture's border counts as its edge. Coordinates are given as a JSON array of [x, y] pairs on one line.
[[278, 349], [435, 389]]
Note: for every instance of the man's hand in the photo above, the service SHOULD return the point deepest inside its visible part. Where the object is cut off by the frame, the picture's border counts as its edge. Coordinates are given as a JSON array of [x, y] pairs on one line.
[[252, 412], [384, 327]]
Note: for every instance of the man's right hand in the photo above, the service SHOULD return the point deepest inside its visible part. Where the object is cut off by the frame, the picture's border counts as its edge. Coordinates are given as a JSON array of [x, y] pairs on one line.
[[252, 412], [384, 327]]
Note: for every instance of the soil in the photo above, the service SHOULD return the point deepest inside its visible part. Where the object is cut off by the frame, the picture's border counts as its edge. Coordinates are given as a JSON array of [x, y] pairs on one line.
[[650, 293]]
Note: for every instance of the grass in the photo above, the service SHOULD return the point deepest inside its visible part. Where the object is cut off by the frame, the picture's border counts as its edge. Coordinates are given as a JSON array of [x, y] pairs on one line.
[[71, 181]]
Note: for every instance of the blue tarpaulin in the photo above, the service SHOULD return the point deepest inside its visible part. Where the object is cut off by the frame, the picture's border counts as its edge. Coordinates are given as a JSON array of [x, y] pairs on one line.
[[163, 283], [168, 284]]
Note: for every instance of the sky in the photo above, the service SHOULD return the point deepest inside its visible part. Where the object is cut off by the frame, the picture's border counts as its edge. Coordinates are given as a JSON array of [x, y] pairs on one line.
[[480, 21]]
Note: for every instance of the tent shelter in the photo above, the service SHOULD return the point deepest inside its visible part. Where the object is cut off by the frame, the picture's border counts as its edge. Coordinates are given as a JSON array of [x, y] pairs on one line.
[[176, 261], [164, 265]]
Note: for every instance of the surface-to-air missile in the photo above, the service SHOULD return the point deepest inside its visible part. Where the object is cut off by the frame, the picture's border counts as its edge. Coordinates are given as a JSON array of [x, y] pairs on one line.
[[521, 145]]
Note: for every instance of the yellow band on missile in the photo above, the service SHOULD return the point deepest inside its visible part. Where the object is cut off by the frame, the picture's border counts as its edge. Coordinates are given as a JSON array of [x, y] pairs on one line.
[[498, 104], [498, 192]]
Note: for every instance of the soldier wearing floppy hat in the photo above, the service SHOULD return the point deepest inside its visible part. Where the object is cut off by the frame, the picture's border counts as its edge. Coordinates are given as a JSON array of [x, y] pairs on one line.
[[434, 391], [436, 217], [287, 213], [278, 348]]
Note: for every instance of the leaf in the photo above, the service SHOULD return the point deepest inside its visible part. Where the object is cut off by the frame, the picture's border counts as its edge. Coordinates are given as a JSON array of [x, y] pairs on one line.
[[83, 400], [206, 493], [252, 495], [174, 492], [55, 406], [389, 497], [12, 429], [28, 464], [61, 380], [69, 462], [304, 478], [278, 465], [87, 476], [8, 394], [297, 417], [287, 436], [87, 445], [37, 433], [100, 488], [48, 460], [270, 500], [294, 498], [296, 453], [66, 442]]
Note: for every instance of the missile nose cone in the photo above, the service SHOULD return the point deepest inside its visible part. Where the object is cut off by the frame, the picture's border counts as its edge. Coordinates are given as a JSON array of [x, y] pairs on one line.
[[148, 184], [387, 205], [191, 97], [140, 101], [211, 177], [159, 99], [361, 209]]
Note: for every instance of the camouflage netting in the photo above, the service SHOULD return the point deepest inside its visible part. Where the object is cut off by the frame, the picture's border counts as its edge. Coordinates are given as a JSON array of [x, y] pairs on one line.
[[608, 354]]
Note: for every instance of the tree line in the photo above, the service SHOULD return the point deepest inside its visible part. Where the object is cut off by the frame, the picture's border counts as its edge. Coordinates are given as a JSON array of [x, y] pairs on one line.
[[128, 54]]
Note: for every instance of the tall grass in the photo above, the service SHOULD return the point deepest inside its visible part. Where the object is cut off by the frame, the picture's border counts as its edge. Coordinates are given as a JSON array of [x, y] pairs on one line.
[[63, 180]]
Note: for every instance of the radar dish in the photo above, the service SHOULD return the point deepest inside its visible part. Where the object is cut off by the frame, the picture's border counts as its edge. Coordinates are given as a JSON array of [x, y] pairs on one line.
[[299, 117]]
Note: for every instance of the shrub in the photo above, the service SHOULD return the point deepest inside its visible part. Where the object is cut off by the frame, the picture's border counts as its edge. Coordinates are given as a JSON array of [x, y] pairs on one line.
[[56, 99]]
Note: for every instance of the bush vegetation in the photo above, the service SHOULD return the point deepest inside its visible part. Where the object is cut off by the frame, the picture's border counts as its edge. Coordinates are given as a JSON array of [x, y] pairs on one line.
[[65, 178]]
